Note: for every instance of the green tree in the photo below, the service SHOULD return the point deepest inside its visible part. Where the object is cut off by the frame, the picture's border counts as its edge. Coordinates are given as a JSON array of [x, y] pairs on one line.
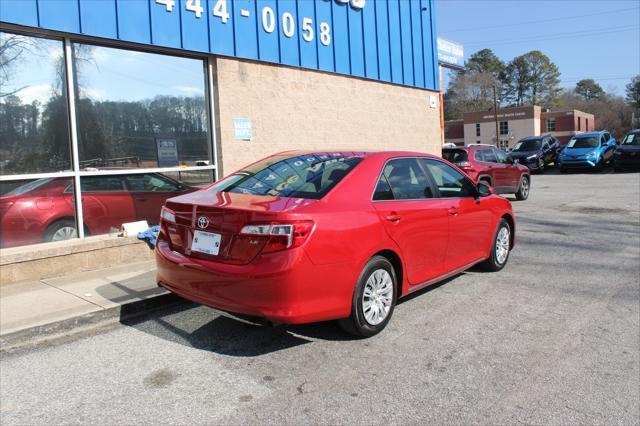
[[517, 81], [588, 89], [633, 92], [532, 79], [485, 61]]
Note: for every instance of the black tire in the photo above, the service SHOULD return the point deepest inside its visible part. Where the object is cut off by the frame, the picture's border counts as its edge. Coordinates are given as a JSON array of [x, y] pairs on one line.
[[541, 167], [492, 263], [523, 193], [57, 226], [357, 324], [563, 170]]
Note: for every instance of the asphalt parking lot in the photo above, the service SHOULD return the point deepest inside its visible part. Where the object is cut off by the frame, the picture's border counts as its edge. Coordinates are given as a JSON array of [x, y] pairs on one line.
[[553, 338]]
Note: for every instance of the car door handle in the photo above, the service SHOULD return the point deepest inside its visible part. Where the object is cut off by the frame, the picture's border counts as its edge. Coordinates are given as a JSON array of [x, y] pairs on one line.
[[141, 199], [393, 217], [453, 211]]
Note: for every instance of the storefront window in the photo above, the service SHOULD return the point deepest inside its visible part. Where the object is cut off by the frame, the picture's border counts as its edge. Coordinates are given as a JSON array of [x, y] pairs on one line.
[[111, 200], [34, 130], [139, 110], [36, 210]]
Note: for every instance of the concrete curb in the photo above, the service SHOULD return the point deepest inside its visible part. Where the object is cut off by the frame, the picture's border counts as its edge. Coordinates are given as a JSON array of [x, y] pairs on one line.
[[58, 331]]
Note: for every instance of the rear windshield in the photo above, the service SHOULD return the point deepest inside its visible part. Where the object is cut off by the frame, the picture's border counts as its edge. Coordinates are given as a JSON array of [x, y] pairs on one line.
[[455, 156], [299, 176], [585, 142], [528, 145]]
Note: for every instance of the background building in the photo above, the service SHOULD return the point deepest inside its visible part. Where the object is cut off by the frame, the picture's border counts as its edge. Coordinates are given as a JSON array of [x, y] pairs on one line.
[[112, 96], [515, 124]]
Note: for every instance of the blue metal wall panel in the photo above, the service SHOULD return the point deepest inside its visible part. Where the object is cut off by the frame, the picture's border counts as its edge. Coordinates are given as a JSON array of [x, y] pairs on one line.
[[62, 15], [356, 42], [388, 40], [246, 33], [21, 12], [307, 34], [268, 42], [165, 25], [340, 38], [393, 10], [221, 28], [99, 18], [195, 30], [370, 41], [416, 38], [133, 21], [324, 44], [289, 48], [382, 35], [407, 45]]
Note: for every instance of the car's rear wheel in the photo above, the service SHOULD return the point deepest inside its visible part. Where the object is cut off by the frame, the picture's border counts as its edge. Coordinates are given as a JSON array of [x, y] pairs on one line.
[[500, 249], [541, 165], [524, 188], [373, 299], [60, 230]]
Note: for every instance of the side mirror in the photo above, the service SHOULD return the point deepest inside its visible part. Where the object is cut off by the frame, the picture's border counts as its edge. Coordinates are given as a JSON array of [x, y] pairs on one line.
[[484, 190]]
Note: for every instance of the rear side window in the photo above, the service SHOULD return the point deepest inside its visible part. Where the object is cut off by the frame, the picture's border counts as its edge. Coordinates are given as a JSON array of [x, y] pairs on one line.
[[455, 156], [450, 182], [302, 176], [406, 180], [486, 155]]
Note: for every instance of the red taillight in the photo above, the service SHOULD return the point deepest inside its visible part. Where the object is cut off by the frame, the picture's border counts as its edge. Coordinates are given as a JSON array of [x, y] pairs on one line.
[[278, 235], [167, 215]]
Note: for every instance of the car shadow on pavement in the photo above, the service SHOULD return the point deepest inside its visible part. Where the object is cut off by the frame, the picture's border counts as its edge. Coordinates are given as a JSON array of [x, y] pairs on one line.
[[207, 329]]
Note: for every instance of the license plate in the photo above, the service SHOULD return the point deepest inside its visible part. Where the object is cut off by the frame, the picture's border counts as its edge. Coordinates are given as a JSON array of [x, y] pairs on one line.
[[206, 242]]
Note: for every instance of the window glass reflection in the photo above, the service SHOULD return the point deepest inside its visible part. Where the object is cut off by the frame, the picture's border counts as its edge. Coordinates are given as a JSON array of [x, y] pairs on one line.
[[35, 211], [34, 131], [139, 110], [111, 200]]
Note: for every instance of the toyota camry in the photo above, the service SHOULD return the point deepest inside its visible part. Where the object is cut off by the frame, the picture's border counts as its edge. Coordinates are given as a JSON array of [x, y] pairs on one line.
[[311, 236]]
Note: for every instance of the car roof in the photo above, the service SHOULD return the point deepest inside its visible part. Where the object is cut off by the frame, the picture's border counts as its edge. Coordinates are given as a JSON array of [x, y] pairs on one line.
[[360, 153], [587, 134], [475, 145]]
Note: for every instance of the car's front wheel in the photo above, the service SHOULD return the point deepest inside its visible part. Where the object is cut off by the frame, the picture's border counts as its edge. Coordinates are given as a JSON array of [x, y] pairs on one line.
[[373, 299], [500, 249], [523, 189]]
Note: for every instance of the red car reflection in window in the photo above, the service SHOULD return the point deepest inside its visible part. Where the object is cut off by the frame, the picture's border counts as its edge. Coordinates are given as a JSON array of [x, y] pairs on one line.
[[43, 210]]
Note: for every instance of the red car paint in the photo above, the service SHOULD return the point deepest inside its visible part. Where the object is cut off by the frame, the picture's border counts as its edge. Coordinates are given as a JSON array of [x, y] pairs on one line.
[[26, 216], [504, 176], [314, 279]]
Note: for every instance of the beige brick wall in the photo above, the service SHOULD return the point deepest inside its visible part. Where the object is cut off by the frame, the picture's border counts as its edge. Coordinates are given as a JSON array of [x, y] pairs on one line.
[[300, 109]]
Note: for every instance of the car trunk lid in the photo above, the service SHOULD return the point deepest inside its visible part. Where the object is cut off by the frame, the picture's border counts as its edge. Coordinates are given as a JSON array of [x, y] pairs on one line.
[[224, 214]]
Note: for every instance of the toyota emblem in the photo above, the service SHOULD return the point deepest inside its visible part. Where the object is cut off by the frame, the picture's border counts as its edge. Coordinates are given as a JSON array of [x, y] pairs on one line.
[[203, 222]]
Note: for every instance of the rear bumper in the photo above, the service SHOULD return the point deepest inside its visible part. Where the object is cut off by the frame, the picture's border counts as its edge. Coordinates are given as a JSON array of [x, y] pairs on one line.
[[283, 287]]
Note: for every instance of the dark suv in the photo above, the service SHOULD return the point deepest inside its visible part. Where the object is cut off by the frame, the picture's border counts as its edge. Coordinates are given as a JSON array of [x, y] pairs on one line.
[[486, 163], [536, 152]]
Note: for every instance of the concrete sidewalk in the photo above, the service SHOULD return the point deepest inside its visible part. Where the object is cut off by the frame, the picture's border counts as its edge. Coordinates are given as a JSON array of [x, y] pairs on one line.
[[33, 310]]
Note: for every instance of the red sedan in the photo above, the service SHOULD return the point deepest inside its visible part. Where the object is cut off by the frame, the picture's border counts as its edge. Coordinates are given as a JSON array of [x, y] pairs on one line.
[[310, 236], [43, 210]]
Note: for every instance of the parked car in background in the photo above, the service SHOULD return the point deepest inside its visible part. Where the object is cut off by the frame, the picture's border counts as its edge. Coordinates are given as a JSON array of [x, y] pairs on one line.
[[627, 154], [587, 151], [311, 236], [486, 163], [536, 152], [43, 210]]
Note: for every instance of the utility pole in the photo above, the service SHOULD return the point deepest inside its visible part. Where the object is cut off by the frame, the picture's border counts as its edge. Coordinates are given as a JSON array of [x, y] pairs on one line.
[[495, 115]]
